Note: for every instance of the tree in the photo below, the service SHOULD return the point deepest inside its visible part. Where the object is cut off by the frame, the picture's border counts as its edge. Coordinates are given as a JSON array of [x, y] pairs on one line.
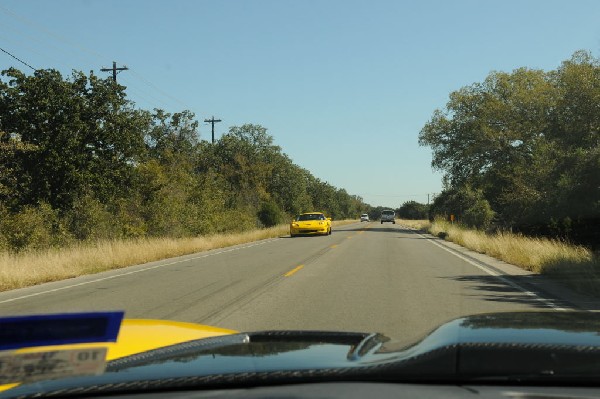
[[413, 210], [490, 126], [15, 184], [269, 214], [78, 161], [288, 186], [86, 137], [468, 206], [172, 135], [244, 157], [529, 141]]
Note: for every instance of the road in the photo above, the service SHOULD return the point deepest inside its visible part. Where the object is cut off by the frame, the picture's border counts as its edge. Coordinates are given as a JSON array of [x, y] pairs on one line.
[[364, 277]]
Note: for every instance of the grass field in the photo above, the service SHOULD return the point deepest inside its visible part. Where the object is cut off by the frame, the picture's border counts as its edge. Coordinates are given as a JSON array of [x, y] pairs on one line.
[[26, 269], [575, 265]]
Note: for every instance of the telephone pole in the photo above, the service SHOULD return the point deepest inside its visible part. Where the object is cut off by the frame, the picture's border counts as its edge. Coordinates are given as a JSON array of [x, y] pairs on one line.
[[114, 70], [212, 121]]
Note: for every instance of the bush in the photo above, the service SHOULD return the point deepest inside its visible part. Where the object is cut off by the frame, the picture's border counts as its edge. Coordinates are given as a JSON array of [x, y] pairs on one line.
[[32, 228], [479, 214], [90, 220], [467, 205], [269, 214], [413, 210]]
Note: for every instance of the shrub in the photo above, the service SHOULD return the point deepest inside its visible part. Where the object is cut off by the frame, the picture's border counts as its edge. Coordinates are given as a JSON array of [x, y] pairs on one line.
[[31, 228], [479, 214], [90, 220], [269, 214], [467, 205]]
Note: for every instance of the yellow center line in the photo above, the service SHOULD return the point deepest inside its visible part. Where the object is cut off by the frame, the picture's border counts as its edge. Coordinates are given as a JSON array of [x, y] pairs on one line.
[[333, 246], [294, 270]]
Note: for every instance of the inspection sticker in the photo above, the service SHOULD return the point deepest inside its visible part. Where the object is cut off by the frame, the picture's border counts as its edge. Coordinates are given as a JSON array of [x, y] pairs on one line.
[[48, 365]]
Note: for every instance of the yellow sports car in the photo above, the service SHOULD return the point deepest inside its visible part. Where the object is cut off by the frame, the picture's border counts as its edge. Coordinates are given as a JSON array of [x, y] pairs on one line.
[[310, 223]]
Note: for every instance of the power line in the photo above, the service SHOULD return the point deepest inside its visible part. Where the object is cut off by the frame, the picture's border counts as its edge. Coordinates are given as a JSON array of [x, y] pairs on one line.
[[139, 92], [82, 51], [147, 82], [25, 47], [18, 59], [47, 31]]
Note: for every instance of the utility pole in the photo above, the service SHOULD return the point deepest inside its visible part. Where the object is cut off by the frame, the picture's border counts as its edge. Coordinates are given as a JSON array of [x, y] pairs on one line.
[[212, 121], [114, 70]]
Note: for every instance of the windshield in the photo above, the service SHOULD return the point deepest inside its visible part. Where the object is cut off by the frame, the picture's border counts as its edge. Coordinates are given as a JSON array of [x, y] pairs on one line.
[[156, 156], [311, 216]]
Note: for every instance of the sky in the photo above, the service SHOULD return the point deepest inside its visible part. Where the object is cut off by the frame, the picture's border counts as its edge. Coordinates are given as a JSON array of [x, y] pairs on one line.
[[343, 86]]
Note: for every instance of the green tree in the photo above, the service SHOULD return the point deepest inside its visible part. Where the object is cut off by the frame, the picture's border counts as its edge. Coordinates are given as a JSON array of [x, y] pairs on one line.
[[288, 186], [468, 206], [244, 157], [529, 140], [15, 184], [413, 210], [85, 135], [269, 214], [490, 126], [172, 135]]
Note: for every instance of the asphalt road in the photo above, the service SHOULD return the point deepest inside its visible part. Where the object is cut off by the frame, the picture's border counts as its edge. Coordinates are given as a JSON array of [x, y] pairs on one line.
[[364, 277]]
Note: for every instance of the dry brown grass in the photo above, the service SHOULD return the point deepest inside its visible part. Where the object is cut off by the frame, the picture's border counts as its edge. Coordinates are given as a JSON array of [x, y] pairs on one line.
[[575, 265], [26, 269], [415, 224]]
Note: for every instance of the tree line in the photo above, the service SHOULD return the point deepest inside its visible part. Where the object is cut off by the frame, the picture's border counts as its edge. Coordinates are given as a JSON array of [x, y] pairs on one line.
[[521, 151], [78, 161]]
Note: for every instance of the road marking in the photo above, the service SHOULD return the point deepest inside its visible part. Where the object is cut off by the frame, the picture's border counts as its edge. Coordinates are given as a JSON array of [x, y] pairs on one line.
[[294, 270], [333, 246], [135, 271], [491, 272]]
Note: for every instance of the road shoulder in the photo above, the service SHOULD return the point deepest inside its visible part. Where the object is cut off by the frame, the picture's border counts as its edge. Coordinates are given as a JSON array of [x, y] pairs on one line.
[[543, 286]]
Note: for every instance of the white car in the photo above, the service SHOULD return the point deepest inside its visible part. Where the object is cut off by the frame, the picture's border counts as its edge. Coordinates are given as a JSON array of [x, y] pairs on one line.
[[388, 216], [364, 217]]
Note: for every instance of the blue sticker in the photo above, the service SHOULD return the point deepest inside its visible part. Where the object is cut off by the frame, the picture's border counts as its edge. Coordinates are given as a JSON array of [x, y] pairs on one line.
[[59, 329]]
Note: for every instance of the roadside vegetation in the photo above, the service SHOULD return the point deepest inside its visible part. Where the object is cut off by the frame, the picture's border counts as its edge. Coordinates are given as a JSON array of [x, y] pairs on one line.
[[29, 268], [80, 164], [90, 182], [520, 152]]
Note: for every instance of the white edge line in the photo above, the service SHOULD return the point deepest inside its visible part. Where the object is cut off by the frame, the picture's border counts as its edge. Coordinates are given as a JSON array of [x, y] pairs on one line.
[[545, 301], [132, 272]]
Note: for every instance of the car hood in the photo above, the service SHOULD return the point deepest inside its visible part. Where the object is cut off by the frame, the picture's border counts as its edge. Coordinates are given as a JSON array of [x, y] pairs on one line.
[[525, 347], [134, 336]]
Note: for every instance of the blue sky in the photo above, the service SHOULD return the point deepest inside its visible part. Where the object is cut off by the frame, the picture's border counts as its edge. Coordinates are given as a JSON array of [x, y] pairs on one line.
[[355, 79]]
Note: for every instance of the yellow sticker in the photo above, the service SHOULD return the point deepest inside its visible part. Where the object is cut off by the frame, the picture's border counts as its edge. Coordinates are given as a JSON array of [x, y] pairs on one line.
[[49, 365]]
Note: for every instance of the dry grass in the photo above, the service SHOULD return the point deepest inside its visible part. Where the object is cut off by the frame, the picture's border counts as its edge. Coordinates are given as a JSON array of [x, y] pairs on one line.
[[415, 224], [26, 269], [575, 265]]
